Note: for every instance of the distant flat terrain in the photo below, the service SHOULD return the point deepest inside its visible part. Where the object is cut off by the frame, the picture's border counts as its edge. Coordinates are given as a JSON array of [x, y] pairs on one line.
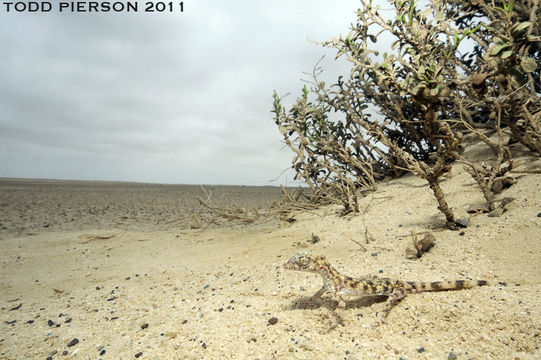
[[28, 206]]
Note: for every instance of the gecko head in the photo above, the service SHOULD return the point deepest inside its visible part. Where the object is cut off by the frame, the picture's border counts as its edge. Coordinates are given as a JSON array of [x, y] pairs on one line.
[[302, 260]]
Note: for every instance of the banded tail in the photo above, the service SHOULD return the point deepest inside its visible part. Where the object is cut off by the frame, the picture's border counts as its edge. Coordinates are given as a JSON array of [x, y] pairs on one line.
[[443, 285]]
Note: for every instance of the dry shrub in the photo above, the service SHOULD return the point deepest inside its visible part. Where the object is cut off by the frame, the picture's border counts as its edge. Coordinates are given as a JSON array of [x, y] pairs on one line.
[[292, 201], [453, 67]]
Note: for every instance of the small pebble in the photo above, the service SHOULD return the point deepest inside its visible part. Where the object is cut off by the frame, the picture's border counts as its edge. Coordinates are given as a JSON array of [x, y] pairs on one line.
[[102, 352], [420, 350], [50, 322], [273, 320], [251, 338], [451, 356], [539, 214], [16, 307], [144, 326], [138, 354], [73, 342]]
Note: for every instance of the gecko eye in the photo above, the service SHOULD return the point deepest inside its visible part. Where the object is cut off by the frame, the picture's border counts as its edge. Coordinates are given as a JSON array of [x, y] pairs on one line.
[[304, 261]]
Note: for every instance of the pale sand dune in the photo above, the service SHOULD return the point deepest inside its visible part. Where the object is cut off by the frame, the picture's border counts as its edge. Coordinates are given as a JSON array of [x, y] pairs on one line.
[[168, 292]]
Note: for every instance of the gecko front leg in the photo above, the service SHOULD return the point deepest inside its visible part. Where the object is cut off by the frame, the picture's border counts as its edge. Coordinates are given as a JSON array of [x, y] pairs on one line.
[[335, 319], [316, 296]]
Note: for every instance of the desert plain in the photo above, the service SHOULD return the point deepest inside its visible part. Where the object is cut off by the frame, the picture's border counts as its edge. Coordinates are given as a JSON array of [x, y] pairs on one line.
[[97, 270]]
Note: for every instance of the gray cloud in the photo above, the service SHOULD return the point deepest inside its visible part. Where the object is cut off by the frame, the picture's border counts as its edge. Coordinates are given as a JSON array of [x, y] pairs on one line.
[[178, 98]]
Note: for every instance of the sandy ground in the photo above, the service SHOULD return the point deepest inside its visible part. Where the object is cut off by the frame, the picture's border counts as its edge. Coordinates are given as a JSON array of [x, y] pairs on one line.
[[155, 289]]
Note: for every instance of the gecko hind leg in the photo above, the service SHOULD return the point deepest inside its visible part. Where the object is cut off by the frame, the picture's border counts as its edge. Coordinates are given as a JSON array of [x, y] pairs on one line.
[[396, 296]]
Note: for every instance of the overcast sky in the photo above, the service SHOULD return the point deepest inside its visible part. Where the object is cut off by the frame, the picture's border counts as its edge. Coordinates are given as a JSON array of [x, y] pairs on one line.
[[177, 98]]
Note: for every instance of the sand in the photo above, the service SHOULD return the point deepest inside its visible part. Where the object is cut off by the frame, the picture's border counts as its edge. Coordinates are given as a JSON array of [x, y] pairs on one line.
[[126, 276]]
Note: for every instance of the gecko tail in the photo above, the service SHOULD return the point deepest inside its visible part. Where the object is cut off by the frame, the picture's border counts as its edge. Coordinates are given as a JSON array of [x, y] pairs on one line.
[[445, 285]]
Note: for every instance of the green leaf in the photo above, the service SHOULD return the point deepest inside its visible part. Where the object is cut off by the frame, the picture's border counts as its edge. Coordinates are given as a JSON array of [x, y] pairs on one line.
[[439, 16], [498, 48], [426, 11], [528, 64], [456, 40], [511, 5], [411, 12], [418, 89], [506, 54], [305, 90], [522, 26]]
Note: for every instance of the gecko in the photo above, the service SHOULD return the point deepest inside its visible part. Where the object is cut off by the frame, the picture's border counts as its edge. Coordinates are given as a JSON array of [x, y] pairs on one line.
[[341, 286]]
